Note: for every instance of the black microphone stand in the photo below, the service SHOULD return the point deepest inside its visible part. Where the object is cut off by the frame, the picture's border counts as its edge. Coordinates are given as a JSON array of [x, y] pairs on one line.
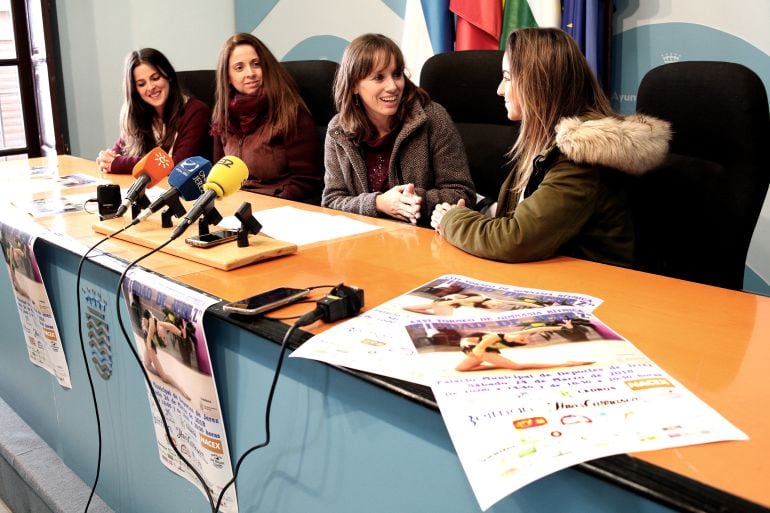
[[210, 216], [249, 224], [140, 204], [174, 208]]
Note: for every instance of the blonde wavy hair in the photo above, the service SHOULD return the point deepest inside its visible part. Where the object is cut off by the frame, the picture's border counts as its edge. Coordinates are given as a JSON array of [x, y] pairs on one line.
[[553, 80]]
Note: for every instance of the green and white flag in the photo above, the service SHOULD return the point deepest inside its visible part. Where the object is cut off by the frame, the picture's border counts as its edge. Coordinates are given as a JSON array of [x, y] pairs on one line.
[[529, 13]]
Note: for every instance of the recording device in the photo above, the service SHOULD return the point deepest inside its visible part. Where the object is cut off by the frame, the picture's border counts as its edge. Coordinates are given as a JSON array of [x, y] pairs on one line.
[[107, 200], [211, 239], [186, 180], [226, 177], [153, 167], [343, 301], [266, 301]]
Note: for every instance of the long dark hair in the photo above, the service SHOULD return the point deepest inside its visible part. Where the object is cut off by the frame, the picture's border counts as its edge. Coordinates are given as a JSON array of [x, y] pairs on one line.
[[283, 99], [362, 56], [137, 116]]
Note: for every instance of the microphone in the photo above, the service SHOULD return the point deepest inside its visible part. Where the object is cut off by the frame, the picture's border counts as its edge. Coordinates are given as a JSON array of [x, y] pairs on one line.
[[186, 180], [226, 177], [153, 167]]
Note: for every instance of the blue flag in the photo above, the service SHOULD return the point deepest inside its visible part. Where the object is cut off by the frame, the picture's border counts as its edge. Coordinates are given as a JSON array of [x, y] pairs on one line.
[[441, 24], [587, 22]]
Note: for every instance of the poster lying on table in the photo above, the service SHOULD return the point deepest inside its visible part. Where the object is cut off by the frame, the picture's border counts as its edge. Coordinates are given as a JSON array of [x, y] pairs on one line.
[[167, 323], [537, 392], [377, 342], [50, 206], [528, 382], [48, 180], [35, 311]]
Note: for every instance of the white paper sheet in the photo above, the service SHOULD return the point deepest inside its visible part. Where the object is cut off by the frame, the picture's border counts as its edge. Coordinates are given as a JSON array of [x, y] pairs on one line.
[[300, 227]]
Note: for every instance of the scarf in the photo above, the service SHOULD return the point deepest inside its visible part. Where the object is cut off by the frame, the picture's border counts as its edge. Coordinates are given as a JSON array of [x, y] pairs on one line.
[[246, 113]]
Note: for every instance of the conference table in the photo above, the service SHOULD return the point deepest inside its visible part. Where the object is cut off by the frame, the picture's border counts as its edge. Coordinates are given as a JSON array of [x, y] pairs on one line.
[[345, 440]]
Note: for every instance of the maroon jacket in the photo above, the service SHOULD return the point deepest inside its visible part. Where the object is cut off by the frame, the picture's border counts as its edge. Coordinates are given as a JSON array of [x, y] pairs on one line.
[[192, 138], [288, 168]]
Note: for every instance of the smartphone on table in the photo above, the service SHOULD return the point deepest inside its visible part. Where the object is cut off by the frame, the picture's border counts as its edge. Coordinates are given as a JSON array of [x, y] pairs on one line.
[[212, 239], [265, 301]]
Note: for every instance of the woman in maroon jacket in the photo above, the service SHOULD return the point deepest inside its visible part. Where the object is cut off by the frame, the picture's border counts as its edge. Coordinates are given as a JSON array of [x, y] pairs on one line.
[[156, 112], [260, 117]]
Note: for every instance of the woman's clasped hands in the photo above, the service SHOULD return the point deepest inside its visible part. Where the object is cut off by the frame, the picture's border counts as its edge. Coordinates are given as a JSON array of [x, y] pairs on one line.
[[440, 211], [400, 202], [104, 160]]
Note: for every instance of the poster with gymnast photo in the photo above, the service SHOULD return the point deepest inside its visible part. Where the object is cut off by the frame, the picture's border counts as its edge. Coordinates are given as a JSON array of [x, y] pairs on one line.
[[167, 322], [50, 206], [543, 338], [377, 342], [38, 322], [49, 181], [530, 393], [458, 296], [528, 382]]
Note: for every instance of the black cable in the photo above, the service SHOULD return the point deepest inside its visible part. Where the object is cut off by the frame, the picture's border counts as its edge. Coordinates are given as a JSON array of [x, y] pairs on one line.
[[302, 321], [88, 368], [147, 377], [290, 317], [343, 301], [93, 200], [144, 372], [136, 356]]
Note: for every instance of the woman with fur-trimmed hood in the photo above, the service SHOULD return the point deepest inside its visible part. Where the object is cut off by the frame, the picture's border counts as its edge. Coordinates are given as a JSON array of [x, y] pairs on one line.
[[566, 193]]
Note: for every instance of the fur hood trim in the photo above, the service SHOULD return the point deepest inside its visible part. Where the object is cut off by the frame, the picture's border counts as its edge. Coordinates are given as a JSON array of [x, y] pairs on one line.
[[633, 144]]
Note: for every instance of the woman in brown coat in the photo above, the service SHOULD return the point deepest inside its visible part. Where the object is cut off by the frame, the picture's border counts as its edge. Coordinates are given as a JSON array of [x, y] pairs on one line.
[[260, 117]]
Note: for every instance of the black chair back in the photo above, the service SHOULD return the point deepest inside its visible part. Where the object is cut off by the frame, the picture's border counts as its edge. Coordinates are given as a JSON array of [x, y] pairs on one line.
[[464, 83], [201, 83], [314, 79], [696, 214]]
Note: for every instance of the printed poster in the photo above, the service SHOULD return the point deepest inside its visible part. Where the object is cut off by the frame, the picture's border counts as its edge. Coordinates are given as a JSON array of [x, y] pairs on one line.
[[528, 382], [47, 179], [35, 311], [376, 341], [49, 206], [167, 322], [78, 180], [536, 392]]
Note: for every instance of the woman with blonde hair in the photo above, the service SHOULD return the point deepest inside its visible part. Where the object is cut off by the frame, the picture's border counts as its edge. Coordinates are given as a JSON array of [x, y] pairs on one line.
[[566, 193], [260, 117], [390, 151]]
